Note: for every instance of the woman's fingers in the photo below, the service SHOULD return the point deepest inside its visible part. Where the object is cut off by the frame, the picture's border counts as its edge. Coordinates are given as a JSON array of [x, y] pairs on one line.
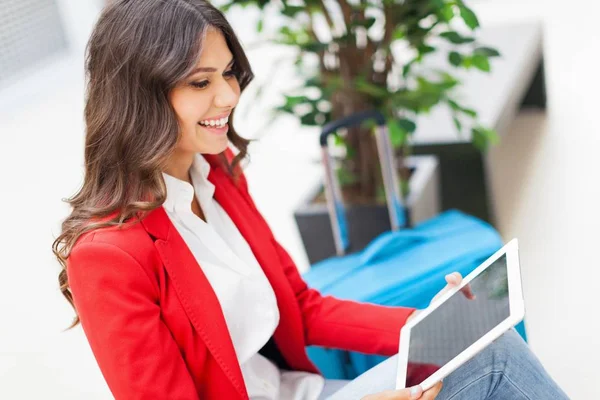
[[455, 279], [468, 292], [432, 393], [452, 280], [413, 393]]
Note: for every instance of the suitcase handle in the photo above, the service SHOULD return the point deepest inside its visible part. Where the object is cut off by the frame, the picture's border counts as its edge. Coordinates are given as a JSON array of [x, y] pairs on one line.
[[333, 194]]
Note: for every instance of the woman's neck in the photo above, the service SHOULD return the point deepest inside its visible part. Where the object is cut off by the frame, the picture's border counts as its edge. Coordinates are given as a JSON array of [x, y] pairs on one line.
[[179, 166]]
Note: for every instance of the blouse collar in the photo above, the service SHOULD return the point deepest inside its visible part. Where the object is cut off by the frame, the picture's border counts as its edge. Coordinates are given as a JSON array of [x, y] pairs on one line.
[[180, 193]]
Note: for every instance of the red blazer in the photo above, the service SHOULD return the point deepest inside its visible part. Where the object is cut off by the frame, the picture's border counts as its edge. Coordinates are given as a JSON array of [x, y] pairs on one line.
[[156, 327]]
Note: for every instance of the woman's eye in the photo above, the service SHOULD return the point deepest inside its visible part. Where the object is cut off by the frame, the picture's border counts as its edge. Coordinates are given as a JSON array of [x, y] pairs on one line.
[[231, 73], [200, 85]]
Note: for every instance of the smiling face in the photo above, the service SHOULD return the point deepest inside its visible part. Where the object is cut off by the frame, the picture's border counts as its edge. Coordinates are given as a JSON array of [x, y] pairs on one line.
[[204, 100]]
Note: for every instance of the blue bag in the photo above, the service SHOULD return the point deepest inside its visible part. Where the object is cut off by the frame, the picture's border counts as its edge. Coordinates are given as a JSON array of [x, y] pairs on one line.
[[398, 268], [403, 268]]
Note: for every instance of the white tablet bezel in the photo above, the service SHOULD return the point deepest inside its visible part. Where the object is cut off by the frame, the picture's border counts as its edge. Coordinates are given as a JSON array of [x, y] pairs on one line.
[[517, 313]]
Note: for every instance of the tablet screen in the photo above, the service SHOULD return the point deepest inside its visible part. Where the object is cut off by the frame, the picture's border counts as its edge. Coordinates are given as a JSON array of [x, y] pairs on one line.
[[458, 323]]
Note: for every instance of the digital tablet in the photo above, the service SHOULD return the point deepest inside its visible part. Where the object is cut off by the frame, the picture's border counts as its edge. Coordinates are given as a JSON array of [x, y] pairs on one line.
[[453, 328]]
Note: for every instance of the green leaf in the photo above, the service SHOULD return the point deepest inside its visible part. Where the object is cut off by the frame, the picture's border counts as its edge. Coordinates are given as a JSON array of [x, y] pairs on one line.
[[350, 153], [397, 134], [457, 107], [299, 37], [478, 139], [467, 62], [225, 7], [433, 87], [457, 123], [291, 11], [455, 58], [338, 140], [447, 13], [314, 81], [454, 105], [309, 119], [492, 136], [425, 49], [284, 109], [420, 100], [345, 39], [447, 84], [367, 23], [483, 137], [407, 125], [469, 17], [292, 101], [470, 112], [481, 62], [487, 51], [406, 69], [448, 81], [369, 88], [260, 25], [398, 33], [313, 47], [455, 38], [425, 84]]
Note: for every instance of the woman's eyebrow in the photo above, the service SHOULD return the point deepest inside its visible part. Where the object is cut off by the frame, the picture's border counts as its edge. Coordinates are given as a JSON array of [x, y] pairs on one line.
[[210, 69]]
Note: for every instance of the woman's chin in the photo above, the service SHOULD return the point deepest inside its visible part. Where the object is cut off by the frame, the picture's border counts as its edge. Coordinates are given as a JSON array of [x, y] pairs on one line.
[[215, 148], [210, 144]]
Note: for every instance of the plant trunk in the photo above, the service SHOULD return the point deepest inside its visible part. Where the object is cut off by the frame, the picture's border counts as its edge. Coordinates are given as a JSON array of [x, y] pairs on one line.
[[363, 164]]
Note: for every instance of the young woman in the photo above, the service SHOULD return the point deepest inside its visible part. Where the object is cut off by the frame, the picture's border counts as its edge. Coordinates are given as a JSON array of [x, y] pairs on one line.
[[179, 284]]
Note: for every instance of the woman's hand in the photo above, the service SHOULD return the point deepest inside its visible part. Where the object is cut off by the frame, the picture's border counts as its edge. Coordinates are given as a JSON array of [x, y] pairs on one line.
[[454, 279], [407, 394]]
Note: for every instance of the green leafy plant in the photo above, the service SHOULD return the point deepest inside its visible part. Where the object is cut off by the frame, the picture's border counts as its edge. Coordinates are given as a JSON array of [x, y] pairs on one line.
[[365, 54]]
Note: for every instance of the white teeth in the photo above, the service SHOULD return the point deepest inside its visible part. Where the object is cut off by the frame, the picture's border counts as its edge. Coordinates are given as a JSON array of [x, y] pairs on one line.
[[218, 123]]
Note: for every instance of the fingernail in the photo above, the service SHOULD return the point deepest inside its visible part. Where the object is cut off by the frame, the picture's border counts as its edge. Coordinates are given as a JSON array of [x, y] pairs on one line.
[[415, 392]]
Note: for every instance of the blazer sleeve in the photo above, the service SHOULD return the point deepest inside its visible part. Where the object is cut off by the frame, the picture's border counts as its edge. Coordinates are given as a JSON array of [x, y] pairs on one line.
[[117, 303], [344, 324]]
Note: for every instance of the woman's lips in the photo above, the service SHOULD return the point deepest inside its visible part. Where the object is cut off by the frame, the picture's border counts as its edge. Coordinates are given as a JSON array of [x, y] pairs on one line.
[[219, 131]]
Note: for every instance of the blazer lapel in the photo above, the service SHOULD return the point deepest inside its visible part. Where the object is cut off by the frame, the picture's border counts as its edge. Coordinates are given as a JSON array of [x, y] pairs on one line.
[[240, 208], [196, 294]]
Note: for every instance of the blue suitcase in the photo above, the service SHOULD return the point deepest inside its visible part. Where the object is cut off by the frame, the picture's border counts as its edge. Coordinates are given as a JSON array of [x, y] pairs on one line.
[[399, 268]]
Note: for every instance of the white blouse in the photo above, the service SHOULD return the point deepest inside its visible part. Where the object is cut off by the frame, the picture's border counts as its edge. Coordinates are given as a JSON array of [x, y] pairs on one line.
[[245, 295]]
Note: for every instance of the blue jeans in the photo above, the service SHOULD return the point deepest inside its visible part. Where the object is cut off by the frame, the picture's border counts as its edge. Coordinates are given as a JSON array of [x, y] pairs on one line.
[[507, 369]]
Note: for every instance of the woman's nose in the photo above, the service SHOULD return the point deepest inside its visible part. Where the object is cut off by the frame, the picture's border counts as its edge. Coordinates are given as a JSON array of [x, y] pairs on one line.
[[227, 96]]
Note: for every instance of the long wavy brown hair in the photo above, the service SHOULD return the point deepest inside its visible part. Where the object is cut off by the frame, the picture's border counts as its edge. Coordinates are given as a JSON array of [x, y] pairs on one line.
[[138, 52]]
